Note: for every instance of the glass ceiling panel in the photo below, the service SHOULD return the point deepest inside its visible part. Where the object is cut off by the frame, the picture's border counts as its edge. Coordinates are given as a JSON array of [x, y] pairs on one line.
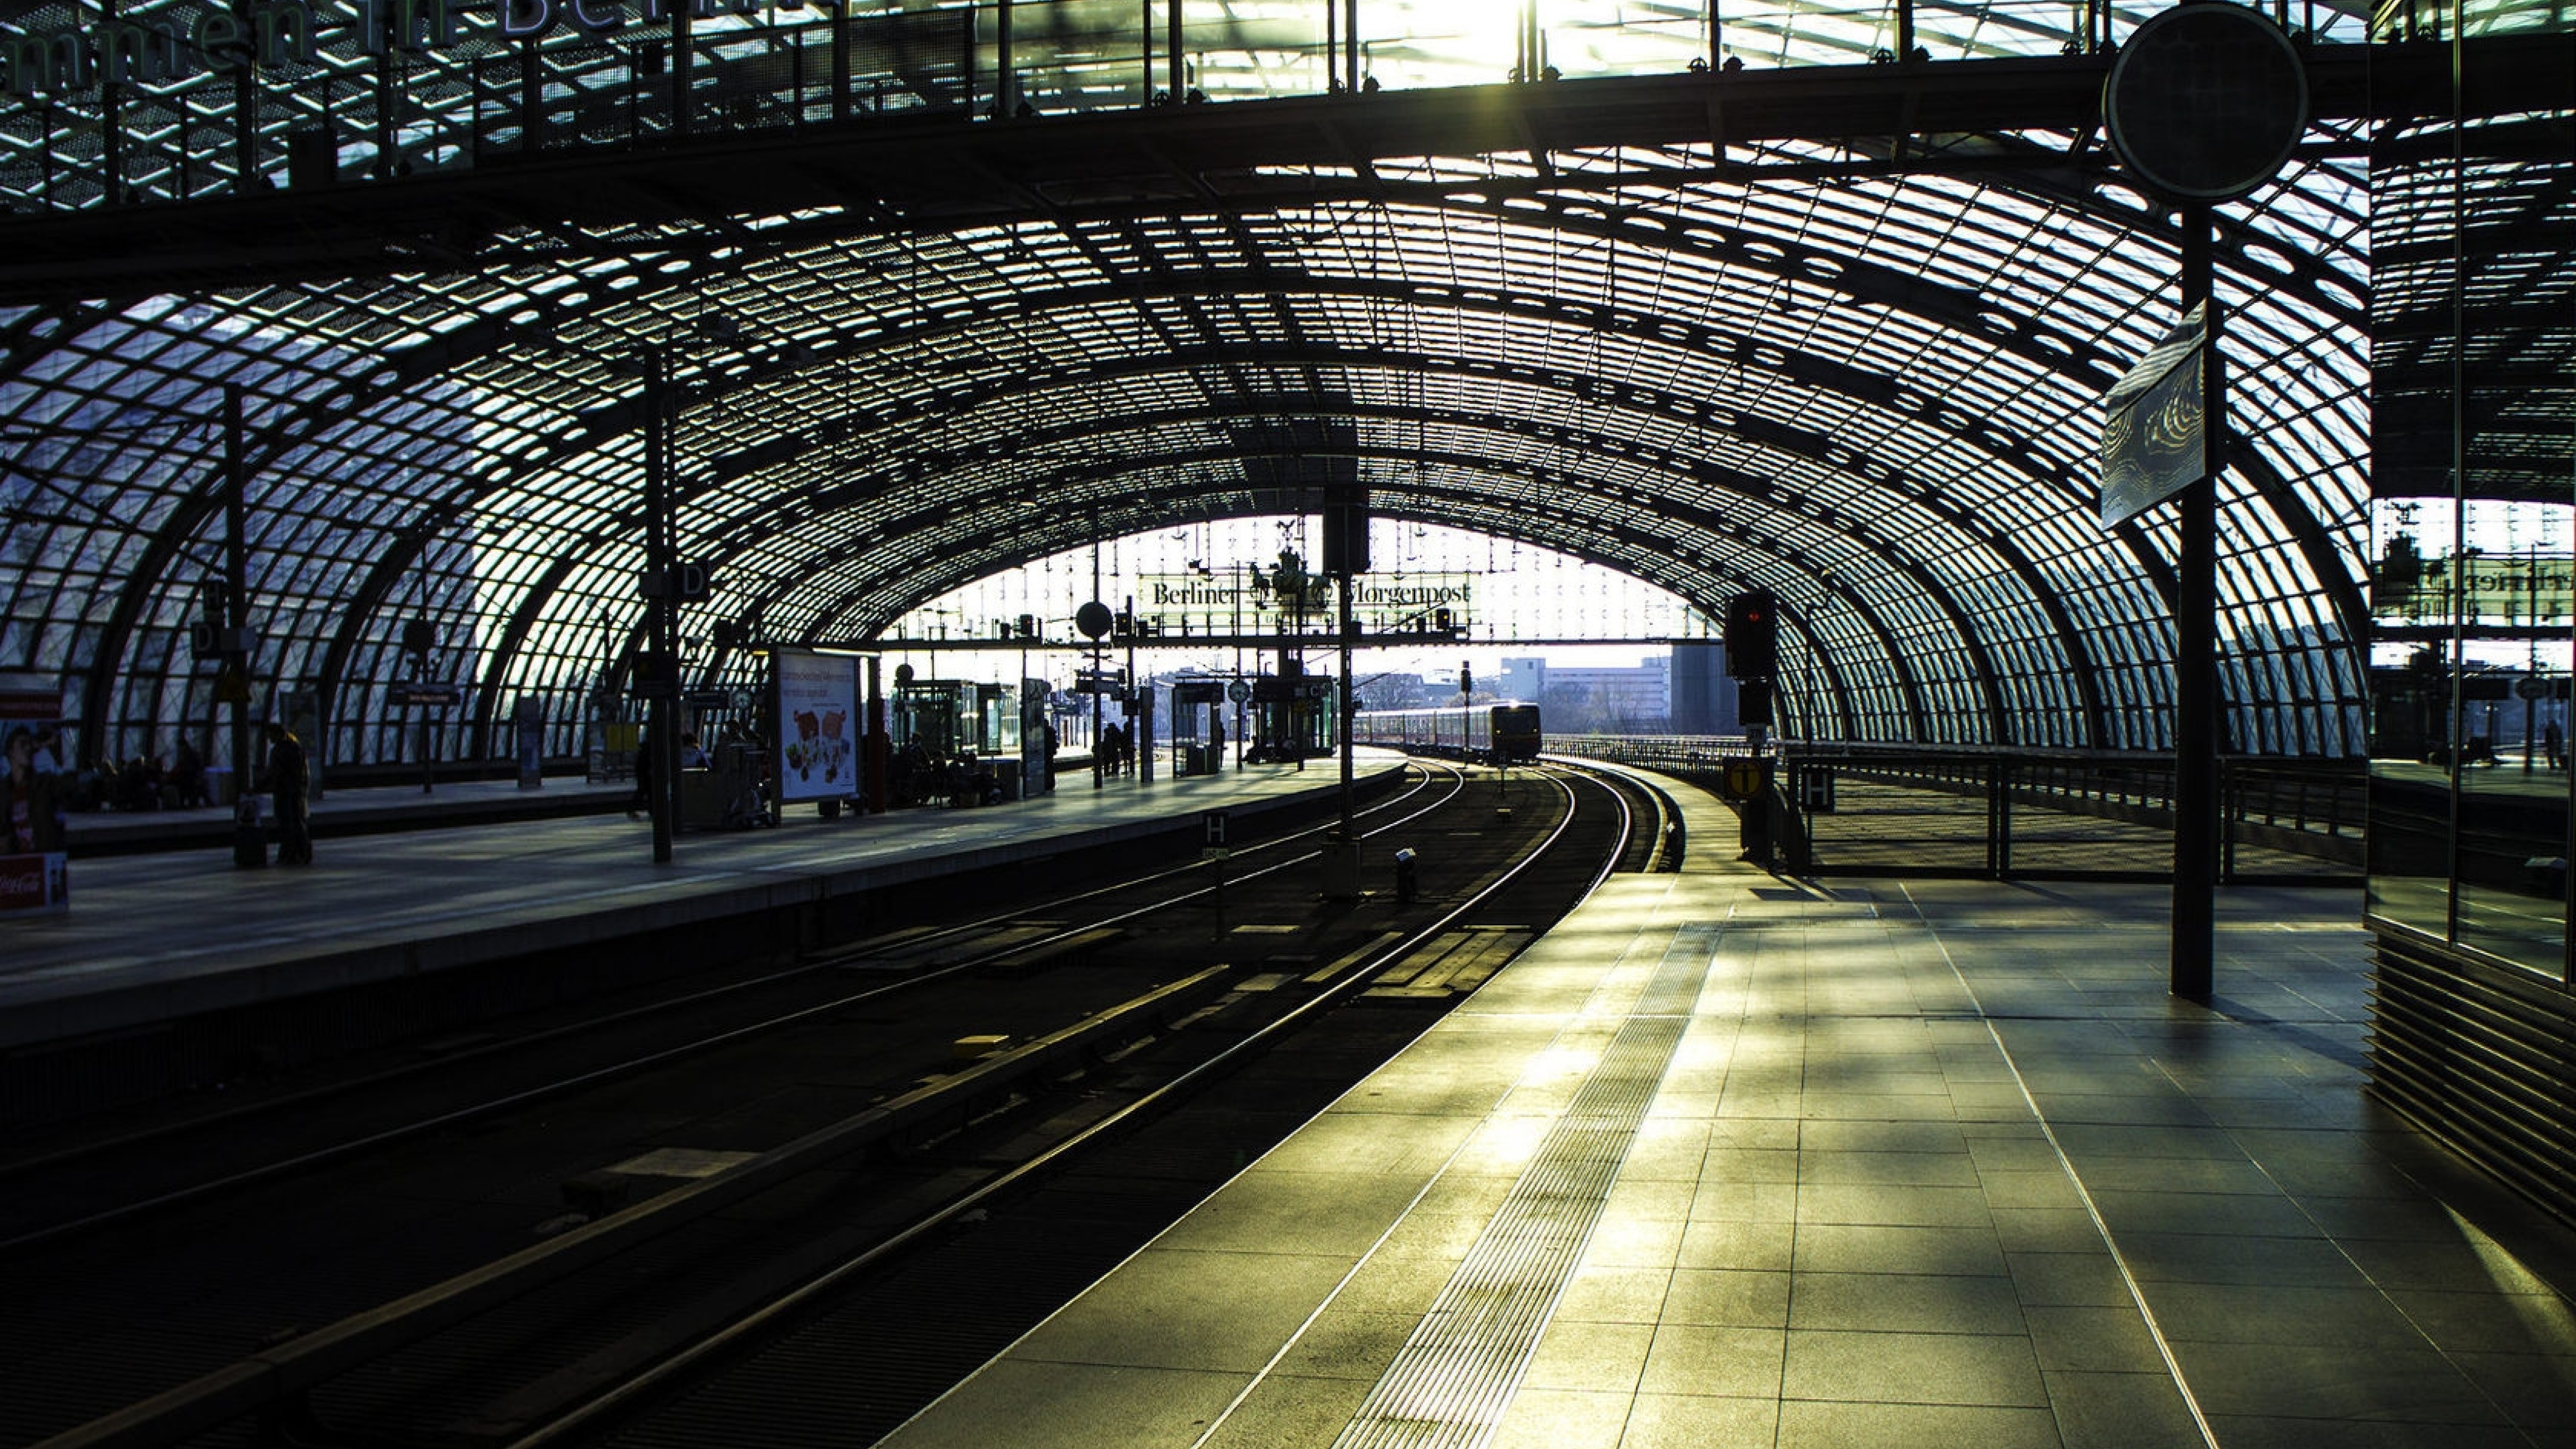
[[1878, 396]]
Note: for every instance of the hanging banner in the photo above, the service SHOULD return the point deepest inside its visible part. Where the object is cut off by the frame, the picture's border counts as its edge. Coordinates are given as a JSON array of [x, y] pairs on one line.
[[34, 873], [2152, 431], [818, 698]]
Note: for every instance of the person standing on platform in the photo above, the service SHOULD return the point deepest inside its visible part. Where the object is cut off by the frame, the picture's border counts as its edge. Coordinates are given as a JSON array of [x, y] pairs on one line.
[[2553, 740], [188, 775], [290, 783], [1216, 745], [21, 785]]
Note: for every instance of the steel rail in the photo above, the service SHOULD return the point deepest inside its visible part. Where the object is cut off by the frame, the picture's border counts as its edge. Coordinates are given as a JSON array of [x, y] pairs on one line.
[[287, 1166], [255, 1383], [627, 1391]]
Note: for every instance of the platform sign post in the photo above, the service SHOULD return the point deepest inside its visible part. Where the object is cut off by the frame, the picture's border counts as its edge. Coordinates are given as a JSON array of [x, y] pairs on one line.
[[1215, 852], [2196, 134]]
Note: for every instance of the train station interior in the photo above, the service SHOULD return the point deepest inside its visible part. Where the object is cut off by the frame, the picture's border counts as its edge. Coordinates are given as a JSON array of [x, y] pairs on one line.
[[2086, 961]]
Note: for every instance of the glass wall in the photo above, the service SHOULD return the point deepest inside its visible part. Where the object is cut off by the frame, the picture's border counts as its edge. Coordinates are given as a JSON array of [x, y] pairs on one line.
[[2473, 527]]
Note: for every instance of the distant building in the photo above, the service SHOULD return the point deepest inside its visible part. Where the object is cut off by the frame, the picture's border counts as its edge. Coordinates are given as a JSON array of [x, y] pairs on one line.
[[1577, 700], [1704, 698]]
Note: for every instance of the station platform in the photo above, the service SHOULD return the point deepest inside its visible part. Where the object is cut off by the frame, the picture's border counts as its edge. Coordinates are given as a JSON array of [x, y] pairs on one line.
[[156, 937], [1730, 1160]]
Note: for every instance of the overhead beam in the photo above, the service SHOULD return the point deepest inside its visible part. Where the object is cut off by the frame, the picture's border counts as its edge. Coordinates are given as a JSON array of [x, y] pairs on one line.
[[952, 172]]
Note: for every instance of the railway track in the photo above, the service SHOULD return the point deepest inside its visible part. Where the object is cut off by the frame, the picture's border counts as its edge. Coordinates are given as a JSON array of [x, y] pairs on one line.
[[272, 1135], [509, 1339]]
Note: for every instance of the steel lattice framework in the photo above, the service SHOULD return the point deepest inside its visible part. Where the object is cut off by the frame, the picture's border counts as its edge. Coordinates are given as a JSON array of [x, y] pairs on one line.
[[1663, 328]]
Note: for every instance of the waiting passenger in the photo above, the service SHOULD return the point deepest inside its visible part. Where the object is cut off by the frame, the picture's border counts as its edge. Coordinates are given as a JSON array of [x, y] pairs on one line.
[[692, 756], [290, 783], [188, 776]]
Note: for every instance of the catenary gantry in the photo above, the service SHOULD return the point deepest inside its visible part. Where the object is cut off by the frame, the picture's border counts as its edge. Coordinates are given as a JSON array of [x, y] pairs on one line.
[[1677, 324]]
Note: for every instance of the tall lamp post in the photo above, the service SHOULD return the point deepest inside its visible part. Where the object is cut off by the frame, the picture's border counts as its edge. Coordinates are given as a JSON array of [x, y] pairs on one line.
[[2195, 137]]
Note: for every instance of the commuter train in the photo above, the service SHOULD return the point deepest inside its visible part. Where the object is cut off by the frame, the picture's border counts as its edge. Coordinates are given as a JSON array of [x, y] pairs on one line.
[[1503, 733]]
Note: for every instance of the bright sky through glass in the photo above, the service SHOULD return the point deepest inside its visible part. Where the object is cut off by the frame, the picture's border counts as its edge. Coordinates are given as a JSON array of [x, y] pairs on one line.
[[1522, 593]]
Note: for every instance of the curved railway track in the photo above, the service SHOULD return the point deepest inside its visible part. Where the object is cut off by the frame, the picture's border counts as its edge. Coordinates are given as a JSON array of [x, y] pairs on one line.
[[923, 955], [1098, 1075]]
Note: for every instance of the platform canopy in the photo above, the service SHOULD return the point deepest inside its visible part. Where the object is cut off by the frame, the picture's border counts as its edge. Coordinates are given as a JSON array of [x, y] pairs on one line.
[[1671, 321]]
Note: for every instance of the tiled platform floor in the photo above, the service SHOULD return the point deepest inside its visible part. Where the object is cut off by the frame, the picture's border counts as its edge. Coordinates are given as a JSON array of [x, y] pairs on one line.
[[1929, 1164]]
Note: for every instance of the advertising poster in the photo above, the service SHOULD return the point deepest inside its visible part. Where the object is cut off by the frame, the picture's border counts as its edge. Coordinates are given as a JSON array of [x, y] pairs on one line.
[[818, 725], [37, 790]]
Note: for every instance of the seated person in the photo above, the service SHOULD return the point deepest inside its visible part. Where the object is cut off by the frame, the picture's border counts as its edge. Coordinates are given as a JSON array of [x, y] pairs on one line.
[[693, 756], [188, 777]]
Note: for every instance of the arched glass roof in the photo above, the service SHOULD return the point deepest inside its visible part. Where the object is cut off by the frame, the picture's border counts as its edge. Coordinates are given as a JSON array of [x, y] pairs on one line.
[[1711, 365]]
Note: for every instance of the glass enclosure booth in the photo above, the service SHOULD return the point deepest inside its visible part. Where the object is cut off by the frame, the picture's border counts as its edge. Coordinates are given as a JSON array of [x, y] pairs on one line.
[[946, 718], [2472, 577], [1292, 718]]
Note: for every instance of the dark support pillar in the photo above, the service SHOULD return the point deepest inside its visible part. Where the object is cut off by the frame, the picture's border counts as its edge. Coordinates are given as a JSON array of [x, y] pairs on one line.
[[2195, 868], [2003, 821], [880, 756], [1172, 44], [388, 129], [1716, 38], [661, 717], [111, 111], [1006, 73], [236, 620], [245, 130], [684, 66], [1351, 42], [1349, 697], [532, 105], [1904, 31], [841, 60]]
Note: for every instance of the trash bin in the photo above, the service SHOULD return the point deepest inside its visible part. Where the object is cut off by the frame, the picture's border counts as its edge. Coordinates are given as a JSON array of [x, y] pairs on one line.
[[250, 845]]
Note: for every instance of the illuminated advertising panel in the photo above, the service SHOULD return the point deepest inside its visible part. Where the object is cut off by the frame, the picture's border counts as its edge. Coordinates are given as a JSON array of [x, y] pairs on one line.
[[818, 725]]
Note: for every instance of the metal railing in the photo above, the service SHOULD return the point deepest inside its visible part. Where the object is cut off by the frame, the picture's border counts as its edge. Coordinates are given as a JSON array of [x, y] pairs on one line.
[[1873, 809]]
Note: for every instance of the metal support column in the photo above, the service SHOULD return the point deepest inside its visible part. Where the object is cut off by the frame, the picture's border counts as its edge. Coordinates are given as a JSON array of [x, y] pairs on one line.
[[1172, 44], [1350, 701], [840, 60], [661, 682], [1351, 43], [1006, 74], [2195, 868], [111, 111], [879, 761], [236, 620], [684, 65]]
